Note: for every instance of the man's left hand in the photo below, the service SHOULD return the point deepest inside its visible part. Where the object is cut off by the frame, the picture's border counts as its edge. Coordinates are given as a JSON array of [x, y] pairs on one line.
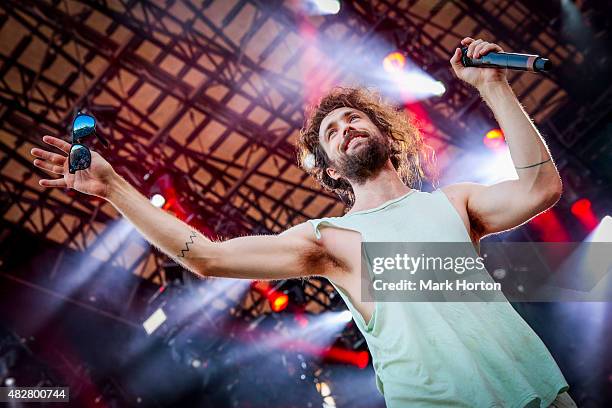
[[478, 77]]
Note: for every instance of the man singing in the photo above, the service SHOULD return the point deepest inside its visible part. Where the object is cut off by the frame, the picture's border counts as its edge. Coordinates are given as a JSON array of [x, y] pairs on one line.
[[425, 354]]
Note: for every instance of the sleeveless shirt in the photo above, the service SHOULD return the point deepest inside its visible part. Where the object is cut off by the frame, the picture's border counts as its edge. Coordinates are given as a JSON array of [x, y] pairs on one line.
[[446, 354]]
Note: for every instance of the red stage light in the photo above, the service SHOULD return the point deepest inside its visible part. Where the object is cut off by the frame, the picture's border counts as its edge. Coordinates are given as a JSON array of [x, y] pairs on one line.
[[581, 207], [278, 301], [340, 355], [394, 62], [582, 210], [494, 139], [550, 227]]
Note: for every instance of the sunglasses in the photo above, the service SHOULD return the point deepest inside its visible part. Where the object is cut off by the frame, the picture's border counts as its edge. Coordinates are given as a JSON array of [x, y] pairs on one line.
[[83, 126]]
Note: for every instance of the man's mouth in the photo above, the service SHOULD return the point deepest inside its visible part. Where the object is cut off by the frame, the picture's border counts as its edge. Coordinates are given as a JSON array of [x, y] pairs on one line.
[[352, 136]]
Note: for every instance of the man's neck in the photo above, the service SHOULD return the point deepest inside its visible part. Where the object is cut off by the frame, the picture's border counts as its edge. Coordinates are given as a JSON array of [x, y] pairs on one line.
[[385, 186]]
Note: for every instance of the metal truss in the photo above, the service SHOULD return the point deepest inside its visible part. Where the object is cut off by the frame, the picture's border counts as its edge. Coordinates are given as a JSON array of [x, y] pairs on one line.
[[214, 91]]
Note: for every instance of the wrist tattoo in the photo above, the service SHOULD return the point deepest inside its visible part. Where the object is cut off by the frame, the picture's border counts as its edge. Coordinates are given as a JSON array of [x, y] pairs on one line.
[[533, 165], [184, 251]]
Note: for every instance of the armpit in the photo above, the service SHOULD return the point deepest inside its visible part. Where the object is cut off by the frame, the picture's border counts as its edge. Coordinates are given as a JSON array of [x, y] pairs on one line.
[[477, 225], [318, 261]]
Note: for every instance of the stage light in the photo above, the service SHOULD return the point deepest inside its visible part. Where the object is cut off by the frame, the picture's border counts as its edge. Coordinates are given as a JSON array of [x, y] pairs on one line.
[[326, 7], [603, 232], [158, 200], [394, 62], [278, 301], [438, 88], [494, 139], [416, 85], [329, 402], [154, 321], [9, 381], [550, 227], [323, 389], [340, 355], [581, 209], [345, 316], [309, 161]]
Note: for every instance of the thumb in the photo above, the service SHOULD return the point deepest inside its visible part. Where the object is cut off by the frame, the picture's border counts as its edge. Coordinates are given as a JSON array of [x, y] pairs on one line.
[[456, 59]]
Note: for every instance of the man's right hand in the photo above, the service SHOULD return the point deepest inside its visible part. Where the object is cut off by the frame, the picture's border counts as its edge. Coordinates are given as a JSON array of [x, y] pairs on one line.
[[95, 180]]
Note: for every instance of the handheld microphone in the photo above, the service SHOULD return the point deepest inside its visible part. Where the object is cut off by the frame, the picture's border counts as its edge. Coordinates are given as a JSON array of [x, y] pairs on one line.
[[521, 62]]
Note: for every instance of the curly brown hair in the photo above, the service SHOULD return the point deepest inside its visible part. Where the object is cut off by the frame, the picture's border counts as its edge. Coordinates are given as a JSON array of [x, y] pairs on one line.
[[409, 153]]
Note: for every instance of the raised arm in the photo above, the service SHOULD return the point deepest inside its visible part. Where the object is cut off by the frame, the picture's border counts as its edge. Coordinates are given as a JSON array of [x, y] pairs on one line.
[[510, 203], [294, 253]]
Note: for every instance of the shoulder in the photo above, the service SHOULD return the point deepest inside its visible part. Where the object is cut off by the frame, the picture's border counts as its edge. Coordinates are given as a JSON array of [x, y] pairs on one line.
[[303, 230]]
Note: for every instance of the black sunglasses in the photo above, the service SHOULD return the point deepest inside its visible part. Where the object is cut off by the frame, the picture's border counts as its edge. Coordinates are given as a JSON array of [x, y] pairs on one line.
[[80, 156]]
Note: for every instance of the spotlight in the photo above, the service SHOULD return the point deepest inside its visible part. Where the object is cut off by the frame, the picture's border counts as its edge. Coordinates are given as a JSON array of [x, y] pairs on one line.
[[278, 301], [603, 232], [325, 391], [582, 210], [438, 88], [414, 84], [324, 7], [394, 62], [309, 161], [158, 200], [494, 139], [549, 226], [346, 316], [154, 321], [9, 381], [341, 355], [581, 207]]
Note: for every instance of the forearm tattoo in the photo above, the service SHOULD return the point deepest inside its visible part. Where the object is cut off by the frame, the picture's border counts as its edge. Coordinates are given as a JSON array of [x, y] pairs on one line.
[[184, 251]]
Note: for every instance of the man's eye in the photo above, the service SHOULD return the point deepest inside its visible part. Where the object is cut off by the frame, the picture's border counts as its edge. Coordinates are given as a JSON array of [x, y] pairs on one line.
[[353, 117], [332, 133]]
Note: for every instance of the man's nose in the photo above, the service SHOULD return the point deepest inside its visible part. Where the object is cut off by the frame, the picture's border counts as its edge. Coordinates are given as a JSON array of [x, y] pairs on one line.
[[347, 128]]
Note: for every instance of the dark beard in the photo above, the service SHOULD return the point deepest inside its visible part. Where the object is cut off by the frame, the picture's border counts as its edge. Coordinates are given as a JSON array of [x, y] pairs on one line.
[[365, 162]]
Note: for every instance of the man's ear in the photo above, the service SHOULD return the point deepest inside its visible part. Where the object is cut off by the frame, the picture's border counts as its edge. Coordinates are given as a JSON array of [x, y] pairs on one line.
[[331, 172]]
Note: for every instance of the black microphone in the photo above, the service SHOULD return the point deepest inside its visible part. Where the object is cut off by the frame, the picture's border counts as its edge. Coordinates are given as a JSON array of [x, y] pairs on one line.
[[521, 62]]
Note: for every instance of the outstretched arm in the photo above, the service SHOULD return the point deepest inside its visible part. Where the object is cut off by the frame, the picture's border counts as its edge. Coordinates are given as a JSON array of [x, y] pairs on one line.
[[509, 203], [282, 256], [294, 253]]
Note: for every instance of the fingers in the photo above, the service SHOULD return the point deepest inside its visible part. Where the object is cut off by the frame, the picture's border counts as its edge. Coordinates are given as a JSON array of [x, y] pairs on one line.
[[478, 48], [490, 47], [60, 182], [49, 167], [484, 48], [49, 156], [467, 41], [59, 143], [472, 46]]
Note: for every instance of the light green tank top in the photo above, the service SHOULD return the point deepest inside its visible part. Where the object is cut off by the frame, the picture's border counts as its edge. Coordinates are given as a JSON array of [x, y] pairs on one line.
[[446, 354]]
